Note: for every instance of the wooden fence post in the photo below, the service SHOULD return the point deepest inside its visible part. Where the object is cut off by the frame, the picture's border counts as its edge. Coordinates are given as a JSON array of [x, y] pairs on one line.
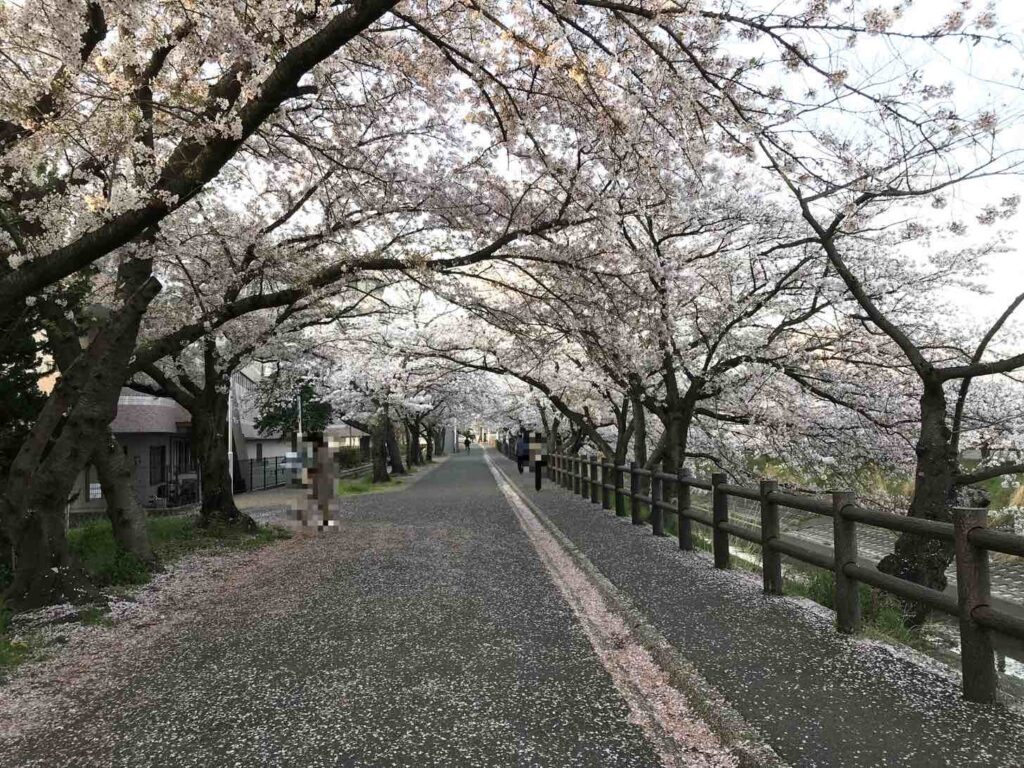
[[593, 480], [620, 487], [657, 513], [771, 559], [634, 503], [719, 515], [845, 547], [577, 475], [683, 524], [973, 586], [606, 496]]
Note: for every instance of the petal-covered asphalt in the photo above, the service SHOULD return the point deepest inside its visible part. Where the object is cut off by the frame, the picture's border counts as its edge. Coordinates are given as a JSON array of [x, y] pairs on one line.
[[818, 698], [422, 632]]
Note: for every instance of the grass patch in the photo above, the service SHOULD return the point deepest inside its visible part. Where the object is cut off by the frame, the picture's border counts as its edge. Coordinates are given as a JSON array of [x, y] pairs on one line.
[[354, 486], [172, 538], [12, 652], [94, 616]]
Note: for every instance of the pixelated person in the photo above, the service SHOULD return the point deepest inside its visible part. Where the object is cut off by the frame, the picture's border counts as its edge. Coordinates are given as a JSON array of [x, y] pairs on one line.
[[321, 471], [522, 451]]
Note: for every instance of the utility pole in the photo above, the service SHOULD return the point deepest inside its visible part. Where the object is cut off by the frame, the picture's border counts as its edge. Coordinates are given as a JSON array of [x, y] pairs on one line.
[[231, 445]]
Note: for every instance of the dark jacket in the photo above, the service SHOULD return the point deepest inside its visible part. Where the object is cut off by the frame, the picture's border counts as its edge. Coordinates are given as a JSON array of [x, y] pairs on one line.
[[522, 448]]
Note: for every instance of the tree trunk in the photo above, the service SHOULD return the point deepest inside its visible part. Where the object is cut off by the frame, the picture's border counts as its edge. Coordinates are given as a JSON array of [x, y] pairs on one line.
[[127, 517], [393, 448], [378, 450], [46, 571], [410, 445], [640, 442], [920, 559], [60, 444], [429, 436], [210, 446], [417, 449]]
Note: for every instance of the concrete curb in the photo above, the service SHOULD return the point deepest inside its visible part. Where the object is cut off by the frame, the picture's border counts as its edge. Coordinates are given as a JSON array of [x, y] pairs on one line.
[[744, 741]]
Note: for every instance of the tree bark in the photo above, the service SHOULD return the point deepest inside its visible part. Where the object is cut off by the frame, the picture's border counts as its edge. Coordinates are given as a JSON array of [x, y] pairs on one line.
[[640, 441], [393, 448], [410, 445], [428, 434], [417, 449], [127, 517], [61, 443], [210, 446], [921, 559], [378, 450]]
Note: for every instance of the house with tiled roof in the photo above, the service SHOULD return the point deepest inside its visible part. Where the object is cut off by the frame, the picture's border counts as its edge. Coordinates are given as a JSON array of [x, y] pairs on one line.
[[155, 434]]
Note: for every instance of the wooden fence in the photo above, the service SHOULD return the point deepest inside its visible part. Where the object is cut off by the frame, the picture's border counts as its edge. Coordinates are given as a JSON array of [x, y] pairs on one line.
[[605, 483]]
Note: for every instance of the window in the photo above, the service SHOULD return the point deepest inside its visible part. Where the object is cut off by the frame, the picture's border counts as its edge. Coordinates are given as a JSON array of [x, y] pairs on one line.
[[259, 451], [181, 456], [157, 464]]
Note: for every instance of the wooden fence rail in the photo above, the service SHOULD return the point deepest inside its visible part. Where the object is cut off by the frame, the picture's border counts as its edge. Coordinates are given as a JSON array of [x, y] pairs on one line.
[[606, 483]]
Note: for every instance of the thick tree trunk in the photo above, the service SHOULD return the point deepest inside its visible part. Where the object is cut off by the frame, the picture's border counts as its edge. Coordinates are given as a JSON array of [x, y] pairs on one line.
[[210, 446], [916, 558], [640, 442], [379, 450], [394, 449], [127, 517], [410, 445], [46, 571], [6, 555], [61, 443], [429, 437], [417, 448], [442, 436]]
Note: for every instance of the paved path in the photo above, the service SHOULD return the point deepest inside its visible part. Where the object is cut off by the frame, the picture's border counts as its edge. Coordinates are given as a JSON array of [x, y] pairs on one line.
[[432, 629], [425, 632], [820, 699]]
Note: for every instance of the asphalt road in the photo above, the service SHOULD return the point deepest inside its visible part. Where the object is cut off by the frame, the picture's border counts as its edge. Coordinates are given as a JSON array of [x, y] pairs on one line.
[[422, 632]]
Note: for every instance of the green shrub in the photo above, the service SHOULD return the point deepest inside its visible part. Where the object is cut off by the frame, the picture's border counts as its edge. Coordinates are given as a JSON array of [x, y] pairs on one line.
[[349, 457]]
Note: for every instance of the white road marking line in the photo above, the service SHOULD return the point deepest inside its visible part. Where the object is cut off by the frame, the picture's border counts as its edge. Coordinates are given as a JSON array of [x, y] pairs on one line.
[[680, 737]]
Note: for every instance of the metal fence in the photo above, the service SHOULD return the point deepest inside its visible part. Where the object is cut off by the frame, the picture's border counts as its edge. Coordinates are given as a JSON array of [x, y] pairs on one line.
[[620, 488], [260, 474]]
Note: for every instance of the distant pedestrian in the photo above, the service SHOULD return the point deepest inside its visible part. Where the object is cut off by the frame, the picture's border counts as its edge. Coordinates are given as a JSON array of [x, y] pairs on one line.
[[466, 443], [522, 452]]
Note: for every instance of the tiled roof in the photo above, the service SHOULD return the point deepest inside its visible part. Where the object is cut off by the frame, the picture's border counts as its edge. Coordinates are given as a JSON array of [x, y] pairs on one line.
[[137, 413]]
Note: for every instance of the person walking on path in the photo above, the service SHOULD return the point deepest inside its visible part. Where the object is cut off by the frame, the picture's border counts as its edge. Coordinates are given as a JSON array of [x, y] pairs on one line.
[[466, 443], [522, 452], [320, 478]]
